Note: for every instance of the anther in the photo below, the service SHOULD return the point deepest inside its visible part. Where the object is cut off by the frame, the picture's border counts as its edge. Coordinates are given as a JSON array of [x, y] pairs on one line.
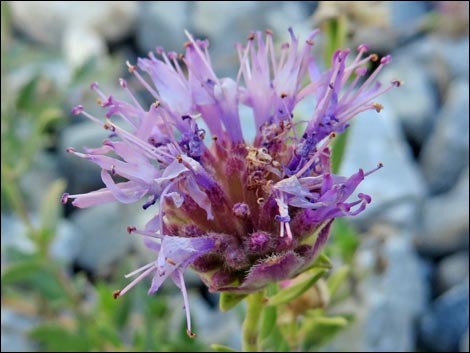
[[179, 158], [191, 334], [374, 57], [378, 107], [251, 36], [70, 150], [131, 229], [309, 42], [77, 109], [363, 47], [116, 294], [99, 101], [283, 95], [269, 32], [132, 68], [397, 83], [64, 198], [170, 261]]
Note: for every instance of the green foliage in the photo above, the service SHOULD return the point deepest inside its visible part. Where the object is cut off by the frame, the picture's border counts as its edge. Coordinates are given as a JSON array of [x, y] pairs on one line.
[[229, 300], [288, 294]]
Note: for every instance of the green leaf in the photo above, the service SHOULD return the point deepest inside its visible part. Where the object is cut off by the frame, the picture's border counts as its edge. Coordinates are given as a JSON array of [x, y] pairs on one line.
[[222, 348], [336, 279], [268, 321], [338, 147], [346, 240], [318, 331], [27, 94], [228, 300], [323, 261], [290, 293], [51, 208], [20, 271], [57, 338]]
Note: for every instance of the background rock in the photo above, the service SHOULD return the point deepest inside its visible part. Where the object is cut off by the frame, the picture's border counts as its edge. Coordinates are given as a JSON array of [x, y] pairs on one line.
[[398, 186], [445, 224], [443, 327], [445, 154]]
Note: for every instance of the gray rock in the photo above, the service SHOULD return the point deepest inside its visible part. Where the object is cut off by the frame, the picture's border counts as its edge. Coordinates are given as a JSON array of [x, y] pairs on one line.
[[79, 28], [406, 13], [452, 270], [445, 154], [105, 239], [38, 179], [64, 246], [398, 186], [81, 174], [444, 59], [445, 222], [226, 23], [442, 328], [14, 236], [464, 342], [15, 327], [162, 24], [415, 103], [46, 22], [391, 297]]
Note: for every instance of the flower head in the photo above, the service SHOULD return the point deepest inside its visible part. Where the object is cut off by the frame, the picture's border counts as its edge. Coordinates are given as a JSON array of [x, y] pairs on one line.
[[240, 213]]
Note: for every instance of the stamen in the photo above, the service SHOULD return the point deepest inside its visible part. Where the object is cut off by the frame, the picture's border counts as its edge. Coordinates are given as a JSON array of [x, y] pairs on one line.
[[64, 198], [140, 269]]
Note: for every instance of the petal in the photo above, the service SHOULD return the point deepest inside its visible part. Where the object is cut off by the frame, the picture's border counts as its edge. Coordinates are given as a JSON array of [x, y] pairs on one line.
[[178, 253]]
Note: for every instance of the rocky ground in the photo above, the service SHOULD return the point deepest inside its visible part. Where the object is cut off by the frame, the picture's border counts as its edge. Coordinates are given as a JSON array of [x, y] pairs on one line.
[[414, 245]]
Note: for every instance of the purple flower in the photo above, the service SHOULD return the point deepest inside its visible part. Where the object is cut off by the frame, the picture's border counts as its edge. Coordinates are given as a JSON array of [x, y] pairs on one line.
[[241, 213]]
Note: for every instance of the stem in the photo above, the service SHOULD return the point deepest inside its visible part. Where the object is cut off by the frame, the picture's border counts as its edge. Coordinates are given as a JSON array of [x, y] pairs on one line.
[[251, 325]]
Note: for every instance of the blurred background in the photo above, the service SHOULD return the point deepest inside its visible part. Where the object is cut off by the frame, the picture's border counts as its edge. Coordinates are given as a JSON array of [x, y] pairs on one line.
[[408, 289]]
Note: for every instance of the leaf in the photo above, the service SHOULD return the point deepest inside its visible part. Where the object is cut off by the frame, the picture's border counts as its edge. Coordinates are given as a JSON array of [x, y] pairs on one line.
[[57, 338], [290, 293], [51, 208], [346, 240], [336, 279], [27, 94], [268, 321], [319, 330], [228, 300], [20, 271], [323, 261], [222, 348], [337, 150]]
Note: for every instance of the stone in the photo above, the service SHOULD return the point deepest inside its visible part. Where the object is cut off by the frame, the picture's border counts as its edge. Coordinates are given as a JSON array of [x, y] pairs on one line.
[[105, 238], [15, 328], [446, 152], [452, 270], [80, 173], [398, 187], [444, 325], [162, 24], [444, 225], [390, 298], [63, 247], [81, 29], [464, 342], [415, 103]]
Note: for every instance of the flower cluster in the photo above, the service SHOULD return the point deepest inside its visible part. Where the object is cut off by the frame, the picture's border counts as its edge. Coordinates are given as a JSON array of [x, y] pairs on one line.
[[241, 213]]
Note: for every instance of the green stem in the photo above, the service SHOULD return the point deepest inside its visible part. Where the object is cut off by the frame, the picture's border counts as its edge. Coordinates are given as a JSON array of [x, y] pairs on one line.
[[251, 325]]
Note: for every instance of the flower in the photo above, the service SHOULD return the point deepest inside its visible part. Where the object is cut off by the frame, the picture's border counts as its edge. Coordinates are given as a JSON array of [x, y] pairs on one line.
[[240, 213]]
